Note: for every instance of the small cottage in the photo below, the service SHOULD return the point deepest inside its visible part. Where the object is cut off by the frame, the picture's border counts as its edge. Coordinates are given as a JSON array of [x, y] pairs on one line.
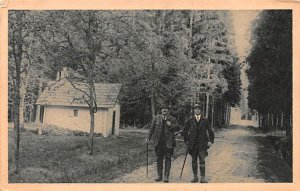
[[61, 105]]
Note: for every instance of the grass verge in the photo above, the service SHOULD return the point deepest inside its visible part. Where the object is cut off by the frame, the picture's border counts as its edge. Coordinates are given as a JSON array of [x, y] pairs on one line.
[[271, 165], [65, 159]]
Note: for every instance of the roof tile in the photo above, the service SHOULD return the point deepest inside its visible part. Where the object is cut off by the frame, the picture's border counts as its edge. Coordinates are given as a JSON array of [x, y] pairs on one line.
[[64, 94]]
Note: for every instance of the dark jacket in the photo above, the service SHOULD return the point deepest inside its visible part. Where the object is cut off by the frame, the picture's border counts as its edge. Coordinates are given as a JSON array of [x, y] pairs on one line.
[[190, 132], [156, 127]]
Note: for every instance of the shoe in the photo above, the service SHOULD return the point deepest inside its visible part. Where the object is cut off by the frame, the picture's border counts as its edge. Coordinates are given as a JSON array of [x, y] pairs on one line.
[[194, 180], [167, 169], [166, 179], [203, 180], [159, 171]]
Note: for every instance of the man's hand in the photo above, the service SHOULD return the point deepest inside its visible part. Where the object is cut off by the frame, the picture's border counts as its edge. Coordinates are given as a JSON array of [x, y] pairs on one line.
[[168, 123], [147, 141], [209, 144]]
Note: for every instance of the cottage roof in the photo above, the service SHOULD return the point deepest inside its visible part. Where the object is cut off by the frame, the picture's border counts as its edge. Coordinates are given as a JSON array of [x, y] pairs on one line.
[[63, 93]]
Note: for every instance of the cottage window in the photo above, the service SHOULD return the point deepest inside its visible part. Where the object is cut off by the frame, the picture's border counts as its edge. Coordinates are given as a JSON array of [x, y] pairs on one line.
[[75, 112]]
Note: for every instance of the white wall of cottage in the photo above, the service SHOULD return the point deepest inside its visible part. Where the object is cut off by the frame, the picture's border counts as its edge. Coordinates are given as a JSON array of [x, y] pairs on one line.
[[63, 117]]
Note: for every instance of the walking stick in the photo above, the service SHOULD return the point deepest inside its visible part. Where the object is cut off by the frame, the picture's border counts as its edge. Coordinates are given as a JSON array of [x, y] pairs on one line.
[[147, 158], [187, 151]]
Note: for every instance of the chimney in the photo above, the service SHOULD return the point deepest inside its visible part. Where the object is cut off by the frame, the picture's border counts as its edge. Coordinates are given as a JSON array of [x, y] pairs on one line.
[[58, 75], [62, 74]]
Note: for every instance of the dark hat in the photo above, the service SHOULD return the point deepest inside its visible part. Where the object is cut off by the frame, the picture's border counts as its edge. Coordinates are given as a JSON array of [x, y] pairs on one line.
[[197, 106], [164, 106]]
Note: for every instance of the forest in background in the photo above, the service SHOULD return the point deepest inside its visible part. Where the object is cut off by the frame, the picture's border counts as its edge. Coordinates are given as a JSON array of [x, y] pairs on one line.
[[173, 57]]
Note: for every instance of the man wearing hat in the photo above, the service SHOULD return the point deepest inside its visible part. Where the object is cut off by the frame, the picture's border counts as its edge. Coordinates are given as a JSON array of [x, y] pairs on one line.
[[162, 134], [198, 135]]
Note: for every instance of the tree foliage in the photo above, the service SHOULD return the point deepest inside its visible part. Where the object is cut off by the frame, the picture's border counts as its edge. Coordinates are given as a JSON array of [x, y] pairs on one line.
[[270, 72], [159, 56]]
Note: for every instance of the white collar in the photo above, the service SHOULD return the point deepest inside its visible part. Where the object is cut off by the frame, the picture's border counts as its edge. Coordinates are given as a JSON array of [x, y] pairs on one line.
[[196, 116]]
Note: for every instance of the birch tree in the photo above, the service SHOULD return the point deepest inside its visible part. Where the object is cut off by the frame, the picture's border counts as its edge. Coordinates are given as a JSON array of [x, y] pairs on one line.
[[24, 57]]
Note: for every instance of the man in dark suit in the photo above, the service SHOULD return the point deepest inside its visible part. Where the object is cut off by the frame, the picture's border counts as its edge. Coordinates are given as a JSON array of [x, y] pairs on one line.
[[162, 134], [198, 135]]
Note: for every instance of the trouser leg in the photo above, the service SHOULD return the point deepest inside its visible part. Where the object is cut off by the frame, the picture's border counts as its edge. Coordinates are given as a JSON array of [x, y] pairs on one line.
[[167, 164], [202, 156], [202, 169], [159, 161], [195, 166], [159, 166]]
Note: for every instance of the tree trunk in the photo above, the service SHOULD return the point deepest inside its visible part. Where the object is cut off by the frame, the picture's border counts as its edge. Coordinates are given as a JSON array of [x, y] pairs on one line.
[[22, 99], [152, 103], [259, 121], [291, 120], [12, 115], [21, 112], [228, 114], [263, 121], [268, 122], [277, 124], [16, 128], [288, 127], [31, 113], [281, 121], [190, 51], [92, 115], [272, 121], [220, 111], [16, 107], [225, 113], [207, 93], [275, 121], [278, 120], [17, 47], [212, 113], [207, 105], [92, 128], [216, 110]]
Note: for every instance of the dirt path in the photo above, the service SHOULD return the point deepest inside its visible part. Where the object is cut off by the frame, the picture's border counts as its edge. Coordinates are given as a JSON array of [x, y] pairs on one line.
[[232, 159]]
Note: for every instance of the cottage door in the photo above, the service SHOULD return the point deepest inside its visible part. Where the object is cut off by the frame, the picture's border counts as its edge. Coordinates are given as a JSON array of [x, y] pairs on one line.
[[42, 114], [113, 123]]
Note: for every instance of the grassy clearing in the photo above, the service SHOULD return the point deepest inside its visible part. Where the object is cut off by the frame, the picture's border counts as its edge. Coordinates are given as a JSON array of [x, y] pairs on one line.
[[52, 158]]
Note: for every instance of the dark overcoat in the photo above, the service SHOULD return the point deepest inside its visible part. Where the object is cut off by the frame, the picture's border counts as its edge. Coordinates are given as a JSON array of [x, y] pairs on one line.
[[190, 133], [156, 128]]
